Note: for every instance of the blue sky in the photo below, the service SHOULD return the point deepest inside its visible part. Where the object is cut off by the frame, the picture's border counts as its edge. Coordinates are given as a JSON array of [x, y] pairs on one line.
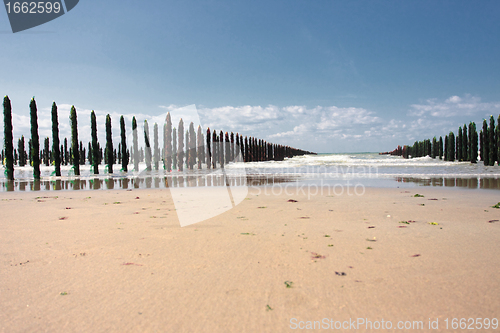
[[327, 76]]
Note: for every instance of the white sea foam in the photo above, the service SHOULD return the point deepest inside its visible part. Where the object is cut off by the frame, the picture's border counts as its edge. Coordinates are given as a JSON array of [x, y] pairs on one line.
[[370, 164], [328, 166]]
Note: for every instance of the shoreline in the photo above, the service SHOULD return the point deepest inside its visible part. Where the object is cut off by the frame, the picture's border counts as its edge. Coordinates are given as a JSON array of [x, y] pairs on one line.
[[119, 261], [187, 180]]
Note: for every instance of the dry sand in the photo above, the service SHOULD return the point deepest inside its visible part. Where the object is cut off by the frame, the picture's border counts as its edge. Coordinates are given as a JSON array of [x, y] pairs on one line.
[[118, 261]]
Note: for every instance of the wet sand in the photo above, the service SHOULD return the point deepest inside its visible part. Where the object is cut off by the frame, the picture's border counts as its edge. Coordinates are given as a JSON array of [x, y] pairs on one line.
[[118, 261]]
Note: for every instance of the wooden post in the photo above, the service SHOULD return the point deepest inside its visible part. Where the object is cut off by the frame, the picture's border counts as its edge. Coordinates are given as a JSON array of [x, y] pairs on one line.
[[215, 149], [192, 146], [8, 139], [255, 150], [135, 147], [251, 148], [200, 147], [109, 144], [237, 150], [167, 142], [246, 158], [248, 149], [156, 150], [242, 148], [209, 152], [180, 149], [221, 149], [231, 157], [228, 149], [174, 148], [147, 146], [188, 145], [492, 142], [259, 150]]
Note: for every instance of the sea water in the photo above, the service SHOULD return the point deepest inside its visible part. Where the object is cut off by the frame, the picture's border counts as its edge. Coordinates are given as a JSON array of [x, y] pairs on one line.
[[372, 169], [367, 169]]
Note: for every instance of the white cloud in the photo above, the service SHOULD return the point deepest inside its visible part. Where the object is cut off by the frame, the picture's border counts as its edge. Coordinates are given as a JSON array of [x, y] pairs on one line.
[[295, 110], [454, 99], [297, 130], [334, 117], [240, 118], [453, 106]]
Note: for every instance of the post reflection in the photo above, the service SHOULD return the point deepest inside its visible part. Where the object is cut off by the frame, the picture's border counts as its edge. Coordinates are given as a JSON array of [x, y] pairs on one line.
[[470, 183], [170, 181], [137, 183]]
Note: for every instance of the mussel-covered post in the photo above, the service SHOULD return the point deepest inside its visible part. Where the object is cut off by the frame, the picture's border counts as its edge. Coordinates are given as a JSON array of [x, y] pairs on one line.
[[180, 150], [209, 152], [215, 146], [200, 147], [147, 146], [55, 140], [187, 149], [174, 148], [246, 159], [8, 138], [109, 144], [221, 149], [485, 146], [492, 142], [124, 152], [74, 141], [192, 146], [228, 149], [135, 147], [167, 142], [242, 149], [156, 150], [465, 144]]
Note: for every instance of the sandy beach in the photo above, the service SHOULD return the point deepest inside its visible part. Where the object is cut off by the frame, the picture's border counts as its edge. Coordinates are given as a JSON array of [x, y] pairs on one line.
[[118, 261]]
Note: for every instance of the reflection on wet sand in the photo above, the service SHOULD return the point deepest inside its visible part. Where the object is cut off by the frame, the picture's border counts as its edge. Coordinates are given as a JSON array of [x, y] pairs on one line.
[[141, 182], [168, 181], [471, 183]]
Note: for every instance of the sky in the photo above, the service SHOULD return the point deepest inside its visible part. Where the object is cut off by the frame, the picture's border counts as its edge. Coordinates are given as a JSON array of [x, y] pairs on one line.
[[324, 76]]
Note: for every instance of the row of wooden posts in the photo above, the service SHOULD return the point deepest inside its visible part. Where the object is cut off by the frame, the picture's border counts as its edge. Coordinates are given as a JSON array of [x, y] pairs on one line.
[[221, 148], [180, 147], [466, 145]]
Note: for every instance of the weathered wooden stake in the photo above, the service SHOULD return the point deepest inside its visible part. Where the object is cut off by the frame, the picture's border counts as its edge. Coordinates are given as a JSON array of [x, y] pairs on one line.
[[209, 151], [180, 150], [167, 142]]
